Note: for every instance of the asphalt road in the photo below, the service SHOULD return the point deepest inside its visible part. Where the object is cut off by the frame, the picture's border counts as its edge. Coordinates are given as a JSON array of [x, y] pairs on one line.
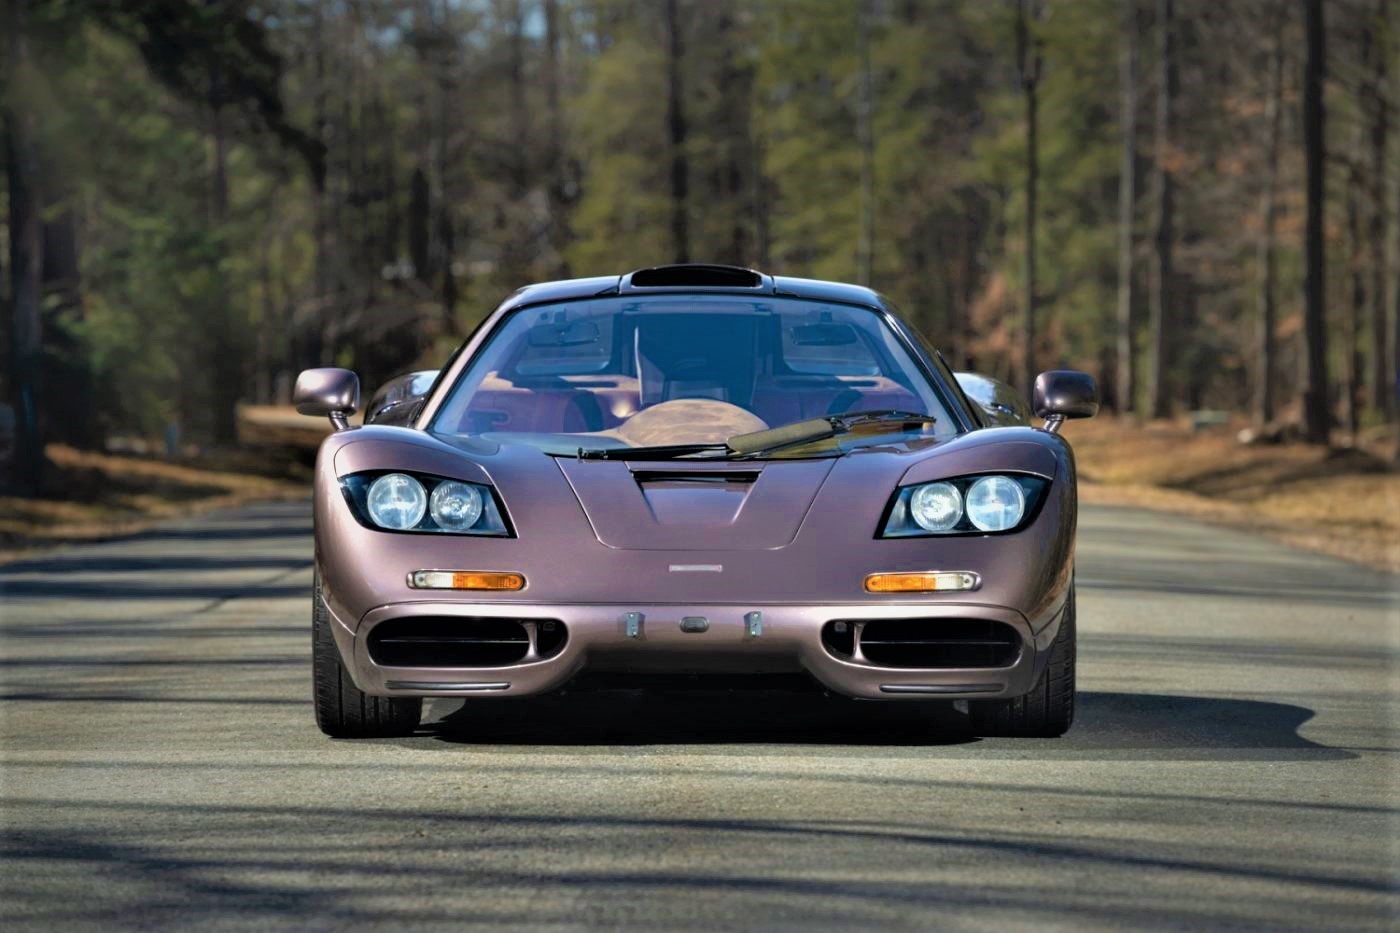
[[1235, 763]]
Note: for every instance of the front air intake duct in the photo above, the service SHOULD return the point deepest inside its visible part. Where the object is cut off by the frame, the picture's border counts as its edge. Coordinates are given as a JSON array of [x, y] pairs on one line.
[[923, 643], [452, 641]]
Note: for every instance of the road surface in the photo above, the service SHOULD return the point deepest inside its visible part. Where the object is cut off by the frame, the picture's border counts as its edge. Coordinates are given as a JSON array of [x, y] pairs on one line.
[[1234, 763]]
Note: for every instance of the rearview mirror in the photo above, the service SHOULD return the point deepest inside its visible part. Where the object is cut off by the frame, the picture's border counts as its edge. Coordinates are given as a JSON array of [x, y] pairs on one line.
[[571, 334], [334, 393], [824, 335], [1064, 393]]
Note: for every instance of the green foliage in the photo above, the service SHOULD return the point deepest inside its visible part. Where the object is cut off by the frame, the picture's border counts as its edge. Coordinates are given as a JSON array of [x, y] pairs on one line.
[[391, 171]]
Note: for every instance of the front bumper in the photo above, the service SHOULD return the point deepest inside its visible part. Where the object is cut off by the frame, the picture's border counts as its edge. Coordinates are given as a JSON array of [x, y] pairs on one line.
[[600, 638]]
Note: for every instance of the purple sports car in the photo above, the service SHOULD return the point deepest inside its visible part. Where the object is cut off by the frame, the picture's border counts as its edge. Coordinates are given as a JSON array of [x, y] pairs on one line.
[[695, 471]]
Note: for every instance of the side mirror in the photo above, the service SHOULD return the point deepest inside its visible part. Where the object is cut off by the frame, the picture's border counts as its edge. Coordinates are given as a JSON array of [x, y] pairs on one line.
[[334, 393], [1064, 393]]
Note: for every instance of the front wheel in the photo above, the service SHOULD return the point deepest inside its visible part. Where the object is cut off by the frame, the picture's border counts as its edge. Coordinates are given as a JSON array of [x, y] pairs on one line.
[[344, 711], [1048, 710]]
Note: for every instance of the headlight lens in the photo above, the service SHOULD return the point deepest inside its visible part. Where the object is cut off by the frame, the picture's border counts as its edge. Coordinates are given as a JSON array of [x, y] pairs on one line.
[[396, 501], [965, 505], [996, 503], [936, 506], [416, 502], [455, 506]]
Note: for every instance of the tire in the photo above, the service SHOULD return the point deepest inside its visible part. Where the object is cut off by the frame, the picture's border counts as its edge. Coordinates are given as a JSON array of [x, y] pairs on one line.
[[344, 711], [1048, 710]]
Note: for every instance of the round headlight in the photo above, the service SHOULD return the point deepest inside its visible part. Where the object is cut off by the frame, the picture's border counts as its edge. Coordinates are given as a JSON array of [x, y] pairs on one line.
[[936, 506], [455, 506], [996, 503], [396, 501]]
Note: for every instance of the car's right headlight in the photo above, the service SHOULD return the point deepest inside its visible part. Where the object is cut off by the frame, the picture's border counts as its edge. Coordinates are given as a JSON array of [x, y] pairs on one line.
[[967, 505], [415, 502]]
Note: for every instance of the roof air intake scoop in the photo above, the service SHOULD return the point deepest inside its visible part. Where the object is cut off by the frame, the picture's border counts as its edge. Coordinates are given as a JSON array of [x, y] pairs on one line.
[[695, 275]]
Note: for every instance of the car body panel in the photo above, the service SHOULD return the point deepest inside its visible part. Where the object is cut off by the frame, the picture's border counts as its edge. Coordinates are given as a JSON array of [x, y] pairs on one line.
[[793, 539]]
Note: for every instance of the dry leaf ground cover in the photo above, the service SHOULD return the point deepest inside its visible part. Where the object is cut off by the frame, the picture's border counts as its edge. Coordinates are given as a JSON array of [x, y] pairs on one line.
[[1344, 502], [90, 496]]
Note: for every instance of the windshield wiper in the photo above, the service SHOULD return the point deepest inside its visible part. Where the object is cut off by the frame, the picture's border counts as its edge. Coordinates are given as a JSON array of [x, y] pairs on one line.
[[762, 442], [816, 429], [660, 452]]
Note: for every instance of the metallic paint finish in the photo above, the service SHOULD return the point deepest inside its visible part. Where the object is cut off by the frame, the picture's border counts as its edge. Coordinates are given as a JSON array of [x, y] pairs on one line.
[[327, 391], [791, 641], [1065, 392], [601, 543]]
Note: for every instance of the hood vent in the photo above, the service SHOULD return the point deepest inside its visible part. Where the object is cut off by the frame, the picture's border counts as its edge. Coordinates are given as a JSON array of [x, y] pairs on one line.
[[709, 477]]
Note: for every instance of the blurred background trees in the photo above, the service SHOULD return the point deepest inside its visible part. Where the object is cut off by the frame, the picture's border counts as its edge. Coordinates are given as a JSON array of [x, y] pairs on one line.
[[1196, 201]]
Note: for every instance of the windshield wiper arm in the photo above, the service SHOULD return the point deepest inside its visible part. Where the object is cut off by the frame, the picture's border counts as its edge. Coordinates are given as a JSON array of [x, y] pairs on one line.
[[816, 429], [760, 442], [898, 415], [660, 452]]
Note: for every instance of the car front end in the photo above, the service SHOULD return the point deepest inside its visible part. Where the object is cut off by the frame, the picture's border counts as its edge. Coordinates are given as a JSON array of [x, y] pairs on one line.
[[895, 556]]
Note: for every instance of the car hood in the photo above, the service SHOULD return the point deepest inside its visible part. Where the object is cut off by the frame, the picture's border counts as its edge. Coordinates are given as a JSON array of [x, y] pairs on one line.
[[696, 506]]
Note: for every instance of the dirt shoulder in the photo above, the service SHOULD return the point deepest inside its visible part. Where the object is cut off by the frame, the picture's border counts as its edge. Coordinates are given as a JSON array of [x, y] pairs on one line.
[[1343, 502], [93, 496]]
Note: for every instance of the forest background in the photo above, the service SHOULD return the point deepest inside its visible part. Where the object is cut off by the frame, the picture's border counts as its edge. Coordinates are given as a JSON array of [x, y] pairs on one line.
[[1195, 201]]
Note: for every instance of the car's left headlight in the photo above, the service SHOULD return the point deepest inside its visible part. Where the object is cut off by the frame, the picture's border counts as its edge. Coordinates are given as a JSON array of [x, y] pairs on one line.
[[967, 505], [416, 502]]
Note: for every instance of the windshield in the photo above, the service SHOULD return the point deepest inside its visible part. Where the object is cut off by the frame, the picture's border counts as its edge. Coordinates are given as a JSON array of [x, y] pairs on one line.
[[679, 370]]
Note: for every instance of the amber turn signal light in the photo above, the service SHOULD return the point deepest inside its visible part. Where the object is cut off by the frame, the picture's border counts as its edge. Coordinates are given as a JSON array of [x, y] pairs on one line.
[[465, 580], [933, 581]]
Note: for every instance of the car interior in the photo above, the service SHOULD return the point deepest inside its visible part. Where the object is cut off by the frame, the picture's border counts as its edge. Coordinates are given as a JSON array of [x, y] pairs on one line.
[[589, 375]]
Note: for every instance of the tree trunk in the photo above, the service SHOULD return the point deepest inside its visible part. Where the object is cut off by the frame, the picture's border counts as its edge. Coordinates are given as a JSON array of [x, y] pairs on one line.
[[1356, 278], [1028, 54], [1127, 201], [66, 379], [312, 334], [225, 369], [676, 128], [1316, 411], [1268, 251], [556, 189], [865, 140], [733, 128], [1393, 389], [1161, 288], [441, 239], [1380, 390], [26, 265], [762, 203]]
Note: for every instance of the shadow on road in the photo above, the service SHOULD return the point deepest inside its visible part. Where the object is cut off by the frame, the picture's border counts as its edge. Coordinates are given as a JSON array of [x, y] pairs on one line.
[[1108, 725]]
